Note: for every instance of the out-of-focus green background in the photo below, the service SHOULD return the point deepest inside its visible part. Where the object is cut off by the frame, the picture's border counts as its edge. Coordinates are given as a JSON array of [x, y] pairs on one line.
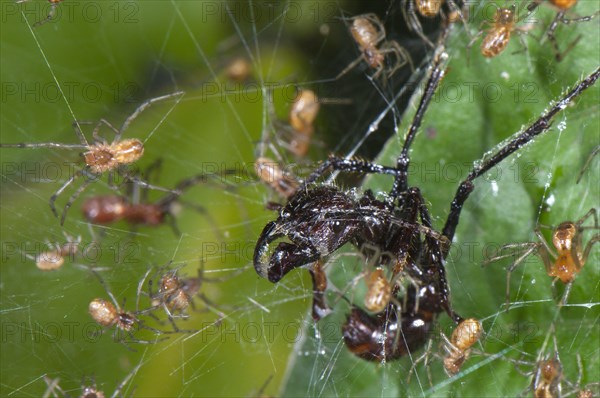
[[107, 57]]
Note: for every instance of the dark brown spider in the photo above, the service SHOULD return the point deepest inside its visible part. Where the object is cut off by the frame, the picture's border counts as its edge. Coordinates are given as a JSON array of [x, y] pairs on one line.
[[318, 220]]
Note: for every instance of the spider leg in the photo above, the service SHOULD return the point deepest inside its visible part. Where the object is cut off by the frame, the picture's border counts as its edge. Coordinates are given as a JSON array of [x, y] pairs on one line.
[[401, 55], [152, 173], [402, 164], [61, 189], [121, 386], [320, 308], [587, 163], [45, 145], [96, 131], [422, 358], [348, 165], [591, 213], [142, 108], [350, 66], [76, 125], [595, 239], [412, 21], [49, 17], [73, 198], [535, 129], [560, 18], [140, 287]]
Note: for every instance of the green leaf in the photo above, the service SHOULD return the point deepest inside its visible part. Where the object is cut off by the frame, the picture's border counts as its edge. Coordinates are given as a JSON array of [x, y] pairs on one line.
[[479, 104]]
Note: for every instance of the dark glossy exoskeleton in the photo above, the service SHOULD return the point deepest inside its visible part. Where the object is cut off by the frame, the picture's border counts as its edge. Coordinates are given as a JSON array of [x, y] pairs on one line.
[[318, 220], [389, 335]]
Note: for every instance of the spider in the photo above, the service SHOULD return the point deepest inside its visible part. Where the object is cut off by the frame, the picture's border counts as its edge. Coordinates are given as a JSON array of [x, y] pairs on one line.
[[110, 314], [369, 33], [238, 70], [548, 375], [594, 152], [318, 220], [51, 13], [100, 157], [563, 262], [458, 347], [109, 209], [303, 112], [562, 7], [427, 9], [295, 134], [54, 258], [176, 294], [498, 36], [270, 172], [89, 389]]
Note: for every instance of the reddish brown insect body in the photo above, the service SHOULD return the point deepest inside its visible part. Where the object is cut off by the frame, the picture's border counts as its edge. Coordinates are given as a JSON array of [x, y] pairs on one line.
[[563, 4], [110, 209]]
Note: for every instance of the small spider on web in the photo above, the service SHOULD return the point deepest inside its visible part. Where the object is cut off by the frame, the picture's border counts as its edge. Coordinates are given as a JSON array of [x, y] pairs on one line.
[[497, 37], [89, 389], [100, 157], [51, 12], [109, 314], [548, 376], [175, 294], [369, 34], [564, 261]]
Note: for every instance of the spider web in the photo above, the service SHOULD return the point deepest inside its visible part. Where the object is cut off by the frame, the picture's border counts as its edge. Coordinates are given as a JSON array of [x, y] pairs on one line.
[[87, 66]]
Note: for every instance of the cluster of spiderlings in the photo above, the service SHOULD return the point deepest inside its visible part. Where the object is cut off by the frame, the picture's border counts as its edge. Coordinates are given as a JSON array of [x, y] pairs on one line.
[[318, 220], [407, 291]]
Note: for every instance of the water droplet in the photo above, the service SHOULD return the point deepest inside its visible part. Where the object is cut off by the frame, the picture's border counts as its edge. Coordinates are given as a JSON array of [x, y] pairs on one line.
[[494, 188]]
